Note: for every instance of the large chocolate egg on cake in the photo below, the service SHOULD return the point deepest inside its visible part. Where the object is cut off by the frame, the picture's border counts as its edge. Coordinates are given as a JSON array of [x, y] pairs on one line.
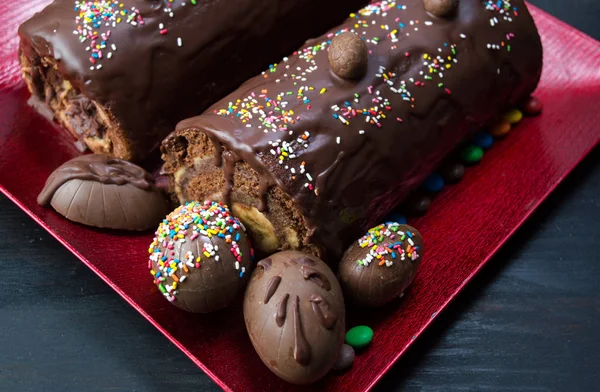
[[295, 316], [200, 257], [380, 265]]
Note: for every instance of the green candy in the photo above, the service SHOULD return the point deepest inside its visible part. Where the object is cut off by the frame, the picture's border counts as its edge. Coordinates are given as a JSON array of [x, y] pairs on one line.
[[471, 154], [359, 336]]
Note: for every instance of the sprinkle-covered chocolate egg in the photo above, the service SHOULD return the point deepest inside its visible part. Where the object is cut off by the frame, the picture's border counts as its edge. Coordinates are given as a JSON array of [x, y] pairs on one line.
[[380, 265], [295, 316], [200, 257]]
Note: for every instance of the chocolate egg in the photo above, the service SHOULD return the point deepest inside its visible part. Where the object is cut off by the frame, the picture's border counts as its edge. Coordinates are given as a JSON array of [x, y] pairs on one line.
[[295, 316], [101, 191], [348, 56], [440, 8], [380, 265], [200, 257]]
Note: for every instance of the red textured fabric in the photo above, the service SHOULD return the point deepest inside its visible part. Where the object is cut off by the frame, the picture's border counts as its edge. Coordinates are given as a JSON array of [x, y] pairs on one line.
[[467, 223]]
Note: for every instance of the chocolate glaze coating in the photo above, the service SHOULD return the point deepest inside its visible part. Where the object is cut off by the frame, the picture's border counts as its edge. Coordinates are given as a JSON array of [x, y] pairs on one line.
[[295, 316], [97, 190], [204, 283], [356, 178], [376, 283], [151, 81], [348, 56]]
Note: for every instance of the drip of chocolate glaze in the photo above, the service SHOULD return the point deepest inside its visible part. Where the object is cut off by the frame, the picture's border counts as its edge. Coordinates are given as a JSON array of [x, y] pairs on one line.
[[218, 157], [272, 288], [96, 167], [315, 276], [263, 189], [281, 310], [301, 346], [323, 311], [265, 264], [228, 172]]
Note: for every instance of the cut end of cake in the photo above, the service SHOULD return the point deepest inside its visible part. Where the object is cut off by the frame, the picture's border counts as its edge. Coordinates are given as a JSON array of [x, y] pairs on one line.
[[89, 122], [196, 172]]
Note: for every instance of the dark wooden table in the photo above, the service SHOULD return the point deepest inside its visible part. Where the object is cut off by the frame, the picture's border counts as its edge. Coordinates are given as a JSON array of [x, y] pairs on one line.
[[529, 322]]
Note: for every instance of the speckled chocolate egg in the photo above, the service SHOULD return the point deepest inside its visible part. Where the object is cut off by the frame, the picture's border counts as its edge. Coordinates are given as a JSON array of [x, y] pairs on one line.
[[295, 316], [380, 265], [200, 257], [106, 192], [348, 56]]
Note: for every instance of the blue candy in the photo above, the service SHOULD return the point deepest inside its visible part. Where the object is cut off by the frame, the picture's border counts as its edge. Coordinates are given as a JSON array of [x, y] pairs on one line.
[[395, 217], [483, 140], [434, 183]]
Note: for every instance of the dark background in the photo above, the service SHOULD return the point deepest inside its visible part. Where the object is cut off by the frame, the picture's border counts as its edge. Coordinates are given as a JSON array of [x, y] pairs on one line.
[[530, 321]]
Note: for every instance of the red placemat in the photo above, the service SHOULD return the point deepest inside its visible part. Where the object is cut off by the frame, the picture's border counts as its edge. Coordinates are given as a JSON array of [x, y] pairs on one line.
[[467, 223]]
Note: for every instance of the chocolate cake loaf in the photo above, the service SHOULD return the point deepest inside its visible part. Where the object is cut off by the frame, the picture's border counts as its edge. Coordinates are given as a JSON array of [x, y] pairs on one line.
[[119, 74], [312, 153]]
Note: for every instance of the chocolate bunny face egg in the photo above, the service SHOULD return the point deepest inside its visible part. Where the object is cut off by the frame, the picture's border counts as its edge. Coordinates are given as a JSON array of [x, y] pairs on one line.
[[295, 316]]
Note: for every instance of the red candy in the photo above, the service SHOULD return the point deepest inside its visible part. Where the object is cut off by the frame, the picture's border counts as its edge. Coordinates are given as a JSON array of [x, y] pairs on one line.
[[532, 106]]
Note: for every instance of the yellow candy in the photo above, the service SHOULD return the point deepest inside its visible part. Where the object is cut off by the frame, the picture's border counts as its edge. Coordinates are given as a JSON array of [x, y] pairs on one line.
[[513, 116]]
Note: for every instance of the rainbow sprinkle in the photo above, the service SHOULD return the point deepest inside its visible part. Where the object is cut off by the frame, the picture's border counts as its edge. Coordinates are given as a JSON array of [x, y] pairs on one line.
[[503, 8], [188, 222], [93, 16], [378, 8], [388, 243]]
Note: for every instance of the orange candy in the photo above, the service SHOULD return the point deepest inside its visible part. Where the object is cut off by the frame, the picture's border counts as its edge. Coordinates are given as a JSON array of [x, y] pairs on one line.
[[501, 129]]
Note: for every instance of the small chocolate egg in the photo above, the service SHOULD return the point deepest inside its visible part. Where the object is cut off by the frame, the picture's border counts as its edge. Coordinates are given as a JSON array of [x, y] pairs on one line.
[[440, 8], [348, 56], [200, 257], [295, 316], [380, 265], [101, 191]]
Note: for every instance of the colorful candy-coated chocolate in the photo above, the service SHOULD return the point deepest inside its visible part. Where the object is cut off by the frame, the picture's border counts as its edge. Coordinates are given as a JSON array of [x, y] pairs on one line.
[[396, 217], [453, 173], [418, 205], [532, 107], [513, 116], [359, 336], [471, 154], [345, 359], [483, 140], [501, 129], [434, 183]]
